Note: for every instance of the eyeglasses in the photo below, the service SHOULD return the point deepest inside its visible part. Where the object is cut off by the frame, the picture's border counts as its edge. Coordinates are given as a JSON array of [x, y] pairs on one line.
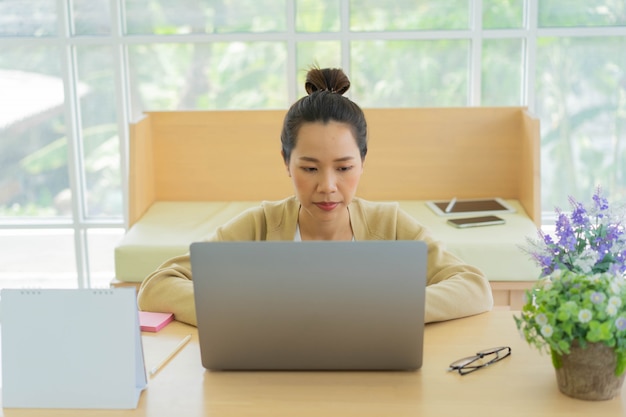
[[480, 360]]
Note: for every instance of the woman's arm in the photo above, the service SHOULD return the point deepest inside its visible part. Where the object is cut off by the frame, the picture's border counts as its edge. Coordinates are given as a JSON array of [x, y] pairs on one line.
[[456, 292], [169, 289], [454, 289]]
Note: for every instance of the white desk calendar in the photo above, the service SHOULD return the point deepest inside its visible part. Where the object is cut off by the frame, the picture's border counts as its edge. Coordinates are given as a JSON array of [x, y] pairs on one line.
[[71, 348]]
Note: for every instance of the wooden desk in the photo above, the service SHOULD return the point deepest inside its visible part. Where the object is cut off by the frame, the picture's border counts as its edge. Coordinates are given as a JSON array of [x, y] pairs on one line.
[[522, 385]]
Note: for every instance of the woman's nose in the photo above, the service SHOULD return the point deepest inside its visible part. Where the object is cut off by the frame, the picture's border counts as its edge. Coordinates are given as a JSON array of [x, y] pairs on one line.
[[327, 183]]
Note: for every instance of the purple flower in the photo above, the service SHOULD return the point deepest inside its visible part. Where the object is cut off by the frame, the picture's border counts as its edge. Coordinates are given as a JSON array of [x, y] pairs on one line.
[[547, 239], [590, 238], [620, 323], [597, 297], [601, 203], [565, 233], [544, 261], [579, 214]]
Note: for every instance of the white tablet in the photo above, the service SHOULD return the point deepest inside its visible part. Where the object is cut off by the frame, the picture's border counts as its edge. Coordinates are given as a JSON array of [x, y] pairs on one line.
[[469, 206]]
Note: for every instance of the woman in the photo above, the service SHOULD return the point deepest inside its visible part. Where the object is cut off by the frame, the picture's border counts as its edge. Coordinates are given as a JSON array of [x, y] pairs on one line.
[[324, 144]]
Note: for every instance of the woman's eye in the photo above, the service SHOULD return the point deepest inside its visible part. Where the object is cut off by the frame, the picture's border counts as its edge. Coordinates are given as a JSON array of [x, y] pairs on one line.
[[309, 169], [344, 169]]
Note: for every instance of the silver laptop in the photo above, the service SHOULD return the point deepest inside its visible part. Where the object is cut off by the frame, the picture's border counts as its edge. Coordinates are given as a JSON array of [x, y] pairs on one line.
[[310, 305]]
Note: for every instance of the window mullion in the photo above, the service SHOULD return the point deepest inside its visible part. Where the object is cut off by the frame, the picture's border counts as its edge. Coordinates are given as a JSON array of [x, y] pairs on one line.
[[530, 54], [476, 49], [345, 35], [292, 53], [124, 111], [75, 159]]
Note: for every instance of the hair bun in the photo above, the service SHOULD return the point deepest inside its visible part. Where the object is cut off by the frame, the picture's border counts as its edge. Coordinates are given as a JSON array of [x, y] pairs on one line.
[[329, 79]]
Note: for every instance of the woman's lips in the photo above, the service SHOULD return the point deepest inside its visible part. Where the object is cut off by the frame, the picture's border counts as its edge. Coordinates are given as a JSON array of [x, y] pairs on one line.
[[327, 206]]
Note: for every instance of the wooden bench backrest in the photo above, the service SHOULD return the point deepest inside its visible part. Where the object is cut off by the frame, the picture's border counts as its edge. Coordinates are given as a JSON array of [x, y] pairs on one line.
[[414, 154]]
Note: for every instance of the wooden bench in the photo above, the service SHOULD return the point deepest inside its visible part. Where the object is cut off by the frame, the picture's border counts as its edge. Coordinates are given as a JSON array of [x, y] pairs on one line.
[[229, 160]]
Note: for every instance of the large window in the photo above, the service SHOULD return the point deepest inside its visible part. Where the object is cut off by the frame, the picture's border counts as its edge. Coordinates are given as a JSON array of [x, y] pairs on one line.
[[73, 73]]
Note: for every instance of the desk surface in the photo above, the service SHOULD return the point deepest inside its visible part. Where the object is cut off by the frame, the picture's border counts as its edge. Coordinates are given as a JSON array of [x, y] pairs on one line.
[[522, 385]]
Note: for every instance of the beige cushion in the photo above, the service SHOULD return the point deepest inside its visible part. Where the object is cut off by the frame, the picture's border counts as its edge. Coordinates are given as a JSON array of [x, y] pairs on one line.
[[167, 229], [493, 249]]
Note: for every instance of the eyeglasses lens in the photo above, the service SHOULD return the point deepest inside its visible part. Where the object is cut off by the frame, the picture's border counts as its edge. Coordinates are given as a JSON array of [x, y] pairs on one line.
[[481, 359]]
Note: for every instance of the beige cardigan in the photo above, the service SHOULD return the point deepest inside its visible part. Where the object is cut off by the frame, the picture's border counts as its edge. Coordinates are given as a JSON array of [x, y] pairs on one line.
[[453, 290]]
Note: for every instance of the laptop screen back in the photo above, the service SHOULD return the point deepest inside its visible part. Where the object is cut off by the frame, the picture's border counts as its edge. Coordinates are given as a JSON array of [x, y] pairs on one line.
[[315, 305]]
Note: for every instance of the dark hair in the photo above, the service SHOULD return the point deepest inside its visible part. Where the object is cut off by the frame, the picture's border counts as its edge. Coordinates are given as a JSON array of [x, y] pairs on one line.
[[324, 103]]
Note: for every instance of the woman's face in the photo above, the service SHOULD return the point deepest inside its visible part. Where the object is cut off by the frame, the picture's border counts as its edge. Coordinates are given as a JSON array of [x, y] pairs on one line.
[[325, 168]]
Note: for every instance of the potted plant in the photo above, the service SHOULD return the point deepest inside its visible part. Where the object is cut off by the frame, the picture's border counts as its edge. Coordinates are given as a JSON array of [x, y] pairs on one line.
[[577, 309]]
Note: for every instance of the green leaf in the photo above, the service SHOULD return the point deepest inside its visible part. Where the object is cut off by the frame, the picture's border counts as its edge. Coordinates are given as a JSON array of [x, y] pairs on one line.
[[556, 359], [621, 363], [599, 331]]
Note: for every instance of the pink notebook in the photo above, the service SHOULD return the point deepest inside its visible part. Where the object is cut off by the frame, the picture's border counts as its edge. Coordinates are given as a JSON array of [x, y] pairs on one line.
[[153, 322]]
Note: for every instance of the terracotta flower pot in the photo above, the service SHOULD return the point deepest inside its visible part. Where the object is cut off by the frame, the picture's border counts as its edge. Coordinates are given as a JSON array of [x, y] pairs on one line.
[[589, 374]]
